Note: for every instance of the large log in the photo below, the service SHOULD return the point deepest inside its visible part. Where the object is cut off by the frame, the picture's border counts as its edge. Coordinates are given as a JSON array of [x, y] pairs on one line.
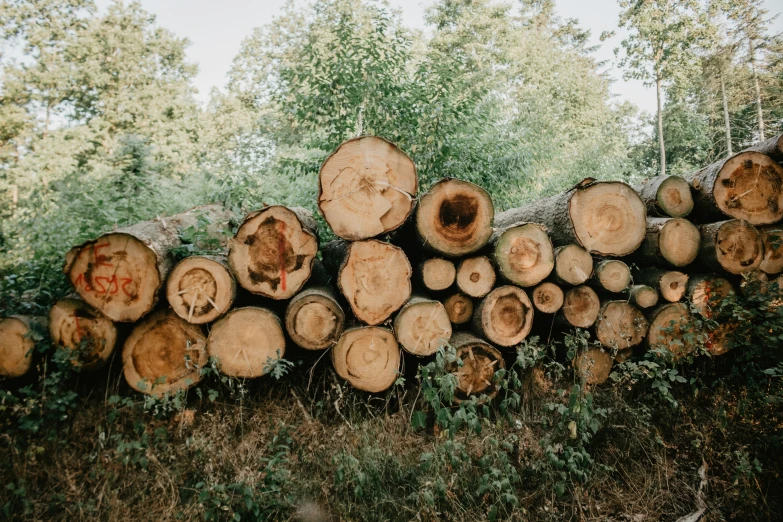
[[747, 185], [436, 274], [375, 277], [366, 188], [580, 307], [667, 196], [669, 241], [459, 308], [593, 366], [247, 342], [314, 318], [734, 246], [201, 288], [548, 298], [670, 283], [273, 251], [573, 265], [504, 317], [620, 325], [479, 362], [79, 328], [523, 254], [422, 326], [455, 218], [772, 147], [706, 291], [17, 343], [772, 237], [611, 275], [476, 276], [368, 357], [607, 218], [643, 296], [163, 354], [672, 328], [122, 273]]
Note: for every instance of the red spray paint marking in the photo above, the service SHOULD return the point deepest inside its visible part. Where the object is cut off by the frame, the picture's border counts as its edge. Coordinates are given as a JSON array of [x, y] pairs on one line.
[[78, 328], [100, 259], [281, 251]]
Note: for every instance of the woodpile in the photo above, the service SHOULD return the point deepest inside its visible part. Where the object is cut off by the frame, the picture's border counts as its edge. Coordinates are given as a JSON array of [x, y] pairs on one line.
[[413, 273]]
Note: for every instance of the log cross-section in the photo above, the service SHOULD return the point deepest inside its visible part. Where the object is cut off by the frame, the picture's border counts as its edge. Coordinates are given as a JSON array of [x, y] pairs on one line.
[[523, 254], [200, 289], [368, 357], [86, 333], [17, 344], [247, 342], [422, 326], [505, 316], [314, 319], [475, 371]]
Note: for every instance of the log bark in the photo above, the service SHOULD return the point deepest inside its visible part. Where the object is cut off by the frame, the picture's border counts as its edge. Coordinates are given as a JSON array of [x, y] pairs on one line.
[[772, 147], [772, 237], [122, 273], [573, 265], [455, 218], [734, 246], [670, 283], [580, 307], [611, 275], [201, 289], [367, 187], [606, 218], [667, 196], [368, 357], [314, 318], [706, 291], [747, 185], [79, 328], [476, 276], [422, 326], [273, 252], [163, 354], [504, 317], [672, 328], [548, 298], [17, 343], [436, 274], [643, 296], [593, 366], [523, 254], [620, 325], [247, 342], [459, 308], [476, 374], [669, 242]]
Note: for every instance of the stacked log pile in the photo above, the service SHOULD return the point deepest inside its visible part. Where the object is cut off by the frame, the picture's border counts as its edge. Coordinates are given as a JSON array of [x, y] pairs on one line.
[[411, 274]]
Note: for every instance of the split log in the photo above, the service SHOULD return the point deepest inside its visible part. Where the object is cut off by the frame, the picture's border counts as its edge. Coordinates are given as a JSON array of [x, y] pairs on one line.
[[122, 273], [436, 273], [606, 217], [593, 366], [643, 296], [79, 328], [747, 185], [772, 237], [273, 251], [375, 277], [670, 283], [455, 218], [201, 288], [422, 326], [611, 275], [523, 254], [368, 357], [548, 298], [476, 276], [314, 319], [620, 325], [667, 196], [573, 265], [706, 291], [163, 354], [672, 328], [366, 188], [669, 241], [459, 308], [504, 317], [772, 147], [580, 307], [734, 246], [247, 342], [17, 342], [476, 375]]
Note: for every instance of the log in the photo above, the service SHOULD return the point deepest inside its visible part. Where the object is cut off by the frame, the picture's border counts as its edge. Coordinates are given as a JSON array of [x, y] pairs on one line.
[[667, 196], [375, 277], [605, 217], [573, 265], [17, 342], [669, 241], [718, 340], [670, 283], [314, 318], [772, 147], [455, 218], [611, 275], [201, 289], [548, 298], [747, 185], [705, 291], [436, 274], [476, 276], [163, 354], [643, 296], [772, 238], [523, 254], [273, 251], [476, 373], [672, 328], [122, 273], [620, 325], [734, 246], [459, 308], [247, 342], [580, 307], [368, 357], [367, 188], [79, 328], [504, 317], [593, 366], [422, 326]]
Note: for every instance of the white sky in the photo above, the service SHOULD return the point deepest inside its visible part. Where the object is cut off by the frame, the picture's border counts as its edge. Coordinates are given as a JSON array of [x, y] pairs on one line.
[[216, 29]]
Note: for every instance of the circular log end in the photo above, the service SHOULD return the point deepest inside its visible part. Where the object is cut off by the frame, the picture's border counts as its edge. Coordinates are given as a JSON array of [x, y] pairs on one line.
[[16, 347], [772, 237], [200, 289], [548, 298], [438, 274], [506, 316], [524, 254], [368, 357], [620, 325], [749, 186], [475, 373], [246, 342], [613, 275], [644, 296], [674, 196], [673, 285], [671, 327], [705, 292], [738, 247], [573, 264], [679, 242], [314, 320], [422, 327], [459, 308], [581, 307], [593, 366], [476, 276], [76, 326]]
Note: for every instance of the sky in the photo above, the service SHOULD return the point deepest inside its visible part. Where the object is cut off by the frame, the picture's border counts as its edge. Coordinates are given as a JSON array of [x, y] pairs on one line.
[[216, 30]]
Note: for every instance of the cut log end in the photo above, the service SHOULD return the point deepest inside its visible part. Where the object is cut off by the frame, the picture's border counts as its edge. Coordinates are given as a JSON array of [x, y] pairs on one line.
[[200, 289], [643, 296], [314, 319], [459, 308], [573, 264], [476, 276], [16, 347], [673, 285], [674, 197], [620, 325], [678, 242], [548, 298], [524, 254], [613, 275], [422, 326], [749, 186], [593, 366], [476, 373], [247, 342], [581, 307], [706, 291], [734, 245], [79, 328], [368, 357], [505, 316], [772, 237], [672, 328], [438, 274]]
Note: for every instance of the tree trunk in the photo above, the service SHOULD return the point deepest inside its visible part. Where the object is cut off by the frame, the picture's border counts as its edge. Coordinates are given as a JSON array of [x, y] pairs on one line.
[[504, 317], [523, 254], [17, 343], [436, 274], [670, 283], [620, 325], [734, 246], [314, 318], [368, 357], [660, 125], [573, 265], [366, 188], [580, 307], [247, 342], [422, 326], [480, 361], [163, 354], [772, 147], [593, 366], [726, 120], [476, 276], [643, 296], [672, 328], [669, 241], [122, 273], [273, 251], [78, 327], [748, 185], [611, 275], [548, 298], [757, 87], [459, 308], [706, 291], [667, 196], [772, 237], [605, 217], [201, 289]]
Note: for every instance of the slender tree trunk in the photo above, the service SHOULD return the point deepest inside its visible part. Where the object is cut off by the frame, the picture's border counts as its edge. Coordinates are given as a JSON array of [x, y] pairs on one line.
[[726, 122], [660, 125], [759, 114]]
